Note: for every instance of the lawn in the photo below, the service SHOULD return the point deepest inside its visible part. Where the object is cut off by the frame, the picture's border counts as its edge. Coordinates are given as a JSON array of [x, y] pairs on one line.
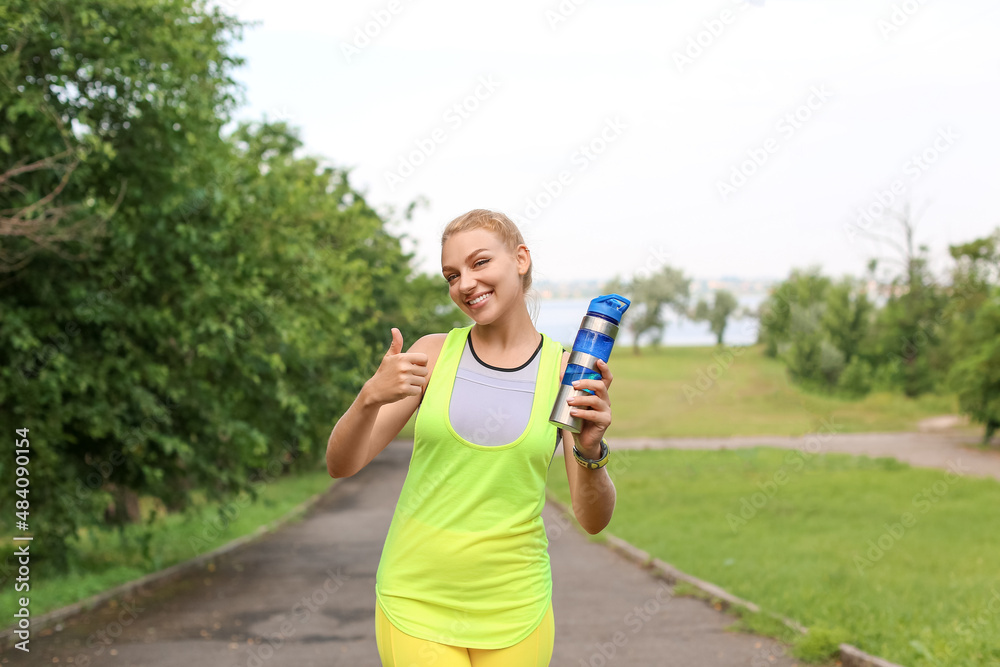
[[702, 391], [108, 562], [899, 561]]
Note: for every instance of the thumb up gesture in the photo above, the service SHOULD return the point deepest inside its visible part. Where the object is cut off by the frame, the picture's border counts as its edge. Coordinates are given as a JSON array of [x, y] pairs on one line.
[[400, 374]]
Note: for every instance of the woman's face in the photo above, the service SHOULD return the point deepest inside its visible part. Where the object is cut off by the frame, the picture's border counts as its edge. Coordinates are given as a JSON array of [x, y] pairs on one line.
[[484, 278]]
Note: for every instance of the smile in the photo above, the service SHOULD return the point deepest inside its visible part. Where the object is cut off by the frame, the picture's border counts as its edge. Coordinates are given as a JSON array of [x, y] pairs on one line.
[[478, 300]]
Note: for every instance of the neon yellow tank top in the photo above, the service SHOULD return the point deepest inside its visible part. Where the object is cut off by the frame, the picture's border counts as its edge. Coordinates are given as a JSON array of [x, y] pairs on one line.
[[466, 559]]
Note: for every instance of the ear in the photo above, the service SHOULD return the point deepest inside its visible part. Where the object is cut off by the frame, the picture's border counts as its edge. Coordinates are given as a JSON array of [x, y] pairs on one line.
[[523, 257]]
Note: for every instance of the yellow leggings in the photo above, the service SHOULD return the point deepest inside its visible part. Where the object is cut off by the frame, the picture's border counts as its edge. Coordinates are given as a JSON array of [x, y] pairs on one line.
[[398, 649]]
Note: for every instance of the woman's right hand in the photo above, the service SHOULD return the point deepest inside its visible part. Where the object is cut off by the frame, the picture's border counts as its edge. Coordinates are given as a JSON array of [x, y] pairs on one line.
[[400, 374]]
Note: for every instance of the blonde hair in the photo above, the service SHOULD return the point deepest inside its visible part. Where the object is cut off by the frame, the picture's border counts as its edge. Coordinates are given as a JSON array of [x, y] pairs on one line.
[[501, 226]]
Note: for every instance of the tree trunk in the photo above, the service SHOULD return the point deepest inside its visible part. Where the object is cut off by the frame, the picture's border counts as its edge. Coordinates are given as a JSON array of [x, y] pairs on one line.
[[991, 427], [124, 508]]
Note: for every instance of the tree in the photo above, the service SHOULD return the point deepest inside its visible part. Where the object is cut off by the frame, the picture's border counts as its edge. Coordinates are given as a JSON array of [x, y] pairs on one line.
[[650, 296], [973, 314], [234, 301], [908, 338], [975, 375], [44, 206], [83, 117], [718, 314], [848, 316], [802, 289], [822, 331]]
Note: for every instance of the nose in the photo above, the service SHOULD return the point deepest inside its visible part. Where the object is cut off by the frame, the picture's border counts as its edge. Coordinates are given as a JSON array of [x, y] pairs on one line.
[[466, 283]]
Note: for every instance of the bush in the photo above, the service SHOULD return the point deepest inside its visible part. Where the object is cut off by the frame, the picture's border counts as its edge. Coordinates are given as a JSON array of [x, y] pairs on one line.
[[831, 361], [857, 378]]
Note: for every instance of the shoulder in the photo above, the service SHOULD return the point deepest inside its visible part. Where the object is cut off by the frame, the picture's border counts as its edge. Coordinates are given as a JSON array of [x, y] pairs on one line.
[[430, 345]]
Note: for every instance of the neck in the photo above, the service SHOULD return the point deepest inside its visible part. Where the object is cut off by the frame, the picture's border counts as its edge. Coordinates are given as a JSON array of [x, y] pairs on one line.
[[512, 329]]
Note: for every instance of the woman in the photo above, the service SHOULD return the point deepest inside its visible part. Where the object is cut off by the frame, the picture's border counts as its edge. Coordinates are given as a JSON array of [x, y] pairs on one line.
[[464, 577]]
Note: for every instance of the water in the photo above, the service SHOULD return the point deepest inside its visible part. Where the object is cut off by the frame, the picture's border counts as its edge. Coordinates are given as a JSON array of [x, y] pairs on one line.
[[560, 319]]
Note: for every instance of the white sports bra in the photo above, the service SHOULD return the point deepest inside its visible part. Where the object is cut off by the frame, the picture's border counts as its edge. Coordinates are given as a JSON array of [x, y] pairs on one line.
[[490, 405]]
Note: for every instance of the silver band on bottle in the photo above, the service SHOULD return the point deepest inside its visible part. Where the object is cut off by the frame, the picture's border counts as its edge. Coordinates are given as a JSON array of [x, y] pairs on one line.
[[600, 325]]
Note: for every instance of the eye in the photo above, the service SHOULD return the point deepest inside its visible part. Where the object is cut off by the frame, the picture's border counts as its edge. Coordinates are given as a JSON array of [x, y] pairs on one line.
[[478, 263]]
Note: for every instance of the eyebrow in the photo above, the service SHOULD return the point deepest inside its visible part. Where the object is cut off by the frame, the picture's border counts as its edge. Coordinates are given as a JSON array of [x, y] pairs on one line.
[[470, 256]]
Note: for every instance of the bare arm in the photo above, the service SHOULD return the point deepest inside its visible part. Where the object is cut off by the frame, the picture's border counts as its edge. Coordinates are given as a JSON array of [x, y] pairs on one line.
[[591, 491], [383, 406]]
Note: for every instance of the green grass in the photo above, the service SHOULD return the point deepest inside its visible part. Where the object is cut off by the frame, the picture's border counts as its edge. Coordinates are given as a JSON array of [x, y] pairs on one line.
[[107, 562], [697, 391], [804, 553]]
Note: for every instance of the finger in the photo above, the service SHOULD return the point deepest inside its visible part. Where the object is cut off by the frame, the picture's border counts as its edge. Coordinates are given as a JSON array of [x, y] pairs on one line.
[[599, 417], [417, 369], [397, 343], [595, 402], [418, 358], [597, 386], [606, 375]]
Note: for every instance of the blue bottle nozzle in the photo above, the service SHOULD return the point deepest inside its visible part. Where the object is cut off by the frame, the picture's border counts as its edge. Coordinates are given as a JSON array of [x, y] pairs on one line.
[[611, 306]]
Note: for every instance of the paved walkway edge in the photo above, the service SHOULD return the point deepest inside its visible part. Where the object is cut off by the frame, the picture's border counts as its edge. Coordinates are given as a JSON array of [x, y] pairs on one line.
[[160, 576], [850, 656]]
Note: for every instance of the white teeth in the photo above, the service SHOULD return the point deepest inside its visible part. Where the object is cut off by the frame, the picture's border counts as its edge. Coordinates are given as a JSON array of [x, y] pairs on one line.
[[478, 299]]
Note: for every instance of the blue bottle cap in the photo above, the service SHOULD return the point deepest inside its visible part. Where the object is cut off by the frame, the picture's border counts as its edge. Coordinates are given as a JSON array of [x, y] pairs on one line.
[[612, 306]]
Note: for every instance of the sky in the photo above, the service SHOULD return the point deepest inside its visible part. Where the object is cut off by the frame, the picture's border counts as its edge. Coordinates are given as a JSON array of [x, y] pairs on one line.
[[724, 138]]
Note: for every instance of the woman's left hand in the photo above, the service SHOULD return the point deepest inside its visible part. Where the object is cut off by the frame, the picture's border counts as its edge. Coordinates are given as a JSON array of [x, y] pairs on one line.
[[597, 418]]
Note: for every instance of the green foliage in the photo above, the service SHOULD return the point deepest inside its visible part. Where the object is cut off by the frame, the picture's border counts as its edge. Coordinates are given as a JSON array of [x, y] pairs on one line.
[[717, 315], [848, 317], [974, 317], [926, 339], [139, 115], [857, 378], [650, 295], [802, 288], [975, 375], [239, 295], [818, 328], [806, 352], [908, 330]]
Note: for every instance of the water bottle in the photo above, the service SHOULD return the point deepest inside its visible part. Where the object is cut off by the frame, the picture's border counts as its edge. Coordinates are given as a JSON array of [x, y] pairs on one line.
[[593, 341]]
